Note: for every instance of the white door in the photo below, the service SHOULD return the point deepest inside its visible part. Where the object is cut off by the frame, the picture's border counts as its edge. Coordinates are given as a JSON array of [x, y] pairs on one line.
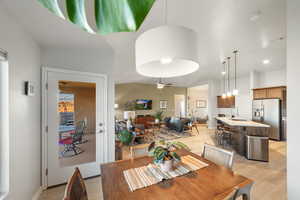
[[76, 123], [179, 101]]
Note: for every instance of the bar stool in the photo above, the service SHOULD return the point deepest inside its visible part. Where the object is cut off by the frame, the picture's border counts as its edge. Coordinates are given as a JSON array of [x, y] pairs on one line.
[[224, 136], [219, 133], [227, 138]]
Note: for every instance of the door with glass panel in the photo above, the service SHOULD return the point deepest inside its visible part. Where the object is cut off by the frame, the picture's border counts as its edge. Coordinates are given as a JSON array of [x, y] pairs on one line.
[[76, 124]]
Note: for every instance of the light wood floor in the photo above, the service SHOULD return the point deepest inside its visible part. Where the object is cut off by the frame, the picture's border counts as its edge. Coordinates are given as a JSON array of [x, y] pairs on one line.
[[269, 177]]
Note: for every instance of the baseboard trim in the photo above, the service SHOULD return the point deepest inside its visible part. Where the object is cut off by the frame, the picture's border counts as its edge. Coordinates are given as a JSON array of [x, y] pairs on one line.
[[37, 194]]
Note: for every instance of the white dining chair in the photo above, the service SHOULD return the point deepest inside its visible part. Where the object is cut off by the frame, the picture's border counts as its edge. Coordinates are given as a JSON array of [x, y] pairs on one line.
[[232, 195], [218, 155]]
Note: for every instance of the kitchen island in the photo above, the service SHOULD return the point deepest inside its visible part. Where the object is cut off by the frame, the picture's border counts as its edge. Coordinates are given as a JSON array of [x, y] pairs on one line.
[[240, 129]]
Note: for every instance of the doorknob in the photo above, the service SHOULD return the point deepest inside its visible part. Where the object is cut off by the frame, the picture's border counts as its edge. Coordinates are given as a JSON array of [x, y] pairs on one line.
[[100, 124], [101, 131]]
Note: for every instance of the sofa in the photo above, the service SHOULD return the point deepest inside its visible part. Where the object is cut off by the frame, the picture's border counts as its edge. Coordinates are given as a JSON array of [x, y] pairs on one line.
[[177, 124]]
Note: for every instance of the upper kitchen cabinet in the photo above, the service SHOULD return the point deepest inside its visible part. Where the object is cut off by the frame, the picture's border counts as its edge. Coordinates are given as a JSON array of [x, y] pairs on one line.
[[259, 93], [269, 93], [228, 102]]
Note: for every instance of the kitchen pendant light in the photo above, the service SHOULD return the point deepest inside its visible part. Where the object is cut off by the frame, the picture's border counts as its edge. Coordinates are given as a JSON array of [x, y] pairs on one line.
[[235, 91], [166, 51], [224, 80], [229, 94]]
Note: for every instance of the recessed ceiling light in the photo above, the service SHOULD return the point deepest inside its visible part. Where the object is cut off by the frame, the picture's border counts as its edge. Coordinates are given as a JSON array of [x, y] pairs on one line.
[[266, 61], [223, 72]]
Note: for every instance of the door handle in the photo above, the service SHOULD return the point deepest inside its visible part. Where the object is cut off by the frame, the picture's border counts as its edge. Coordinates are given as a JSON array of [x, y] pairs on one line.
[[101, 131], [100, 124]]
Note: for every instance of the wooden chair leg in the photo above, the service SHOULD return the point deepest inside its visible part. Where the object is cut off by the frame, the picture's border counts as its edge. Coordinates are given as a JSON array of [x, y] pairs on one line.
[[245, 192], [131, 152]]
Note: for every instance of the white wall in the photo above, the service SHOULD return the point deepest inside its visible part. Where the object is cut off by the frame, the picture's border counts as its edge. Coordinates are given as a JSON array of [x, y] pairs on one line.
[[24, 64], [194, 94], [4, 125], [293, 99], [272, 78], [87, 60], [213, 92]]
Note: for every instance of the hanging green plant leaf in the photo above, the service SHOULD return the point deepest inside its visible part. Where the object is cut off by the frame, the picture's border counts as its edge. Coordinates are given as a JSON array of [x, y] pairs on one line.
[[110, 15], [77, 15], [53, 6], [121, 15]]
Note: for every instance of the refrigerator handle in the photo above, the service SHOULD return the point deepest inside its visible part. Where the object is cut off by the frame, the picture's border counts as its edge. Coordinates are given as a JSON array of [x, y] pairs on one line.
[[262, 111]]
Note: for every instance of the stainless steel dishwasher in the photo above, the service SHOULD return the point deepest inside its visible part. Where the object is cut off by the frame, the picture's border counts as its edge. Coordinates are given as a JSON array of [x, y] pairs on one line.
[[257, 148]]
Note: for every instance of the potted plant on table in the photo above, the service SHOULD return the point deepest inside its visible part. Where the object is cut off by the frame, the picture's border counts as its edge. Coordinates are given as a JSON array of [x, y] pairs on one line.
[[158, 116], [125, 137], [165, 155]]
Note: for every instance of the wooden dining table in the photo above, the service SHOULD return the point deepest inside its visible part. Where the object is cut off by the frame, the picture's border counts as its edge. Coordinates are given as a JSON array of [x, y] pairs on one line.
[[213, 182]]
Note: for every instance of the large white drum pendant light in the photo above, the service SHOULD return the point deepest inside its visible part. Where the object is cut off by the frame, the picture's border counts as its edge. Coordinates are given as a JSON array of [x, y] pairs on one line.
[[166, 51]]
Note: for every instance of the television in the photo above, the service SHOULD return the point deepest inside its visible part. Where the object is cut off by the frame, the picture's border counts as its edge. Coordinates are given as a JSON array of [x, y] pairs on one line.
[[143, 104]]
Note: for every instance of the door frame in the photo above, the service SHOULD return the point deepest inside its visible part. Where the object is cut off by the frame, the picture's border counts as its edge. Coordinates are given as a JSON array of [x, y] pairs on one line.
[[44, 128]]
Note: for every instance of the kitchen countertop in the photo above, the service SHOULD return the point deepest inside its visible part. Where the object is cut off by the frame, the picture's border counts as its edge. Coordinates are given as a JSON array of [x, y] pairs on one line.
[[247, 123]]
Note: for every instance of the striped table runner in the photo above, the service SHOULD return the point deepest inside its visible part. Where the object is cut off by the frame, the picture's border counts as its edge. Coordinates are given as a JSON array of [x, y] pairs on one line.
[[145, 176]]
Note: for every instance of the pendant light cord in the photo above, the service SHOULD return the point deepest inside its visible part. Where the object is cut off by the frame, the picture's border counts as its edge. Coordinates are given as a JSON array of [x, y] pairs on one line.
[[224, 76], [166, 12], [228, 76], [235, 54]]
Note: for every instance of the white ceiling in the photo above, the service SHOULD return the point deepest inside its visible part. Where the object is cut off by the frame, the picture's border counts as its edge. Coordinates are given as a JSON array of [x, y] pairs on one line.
[[222, 26]]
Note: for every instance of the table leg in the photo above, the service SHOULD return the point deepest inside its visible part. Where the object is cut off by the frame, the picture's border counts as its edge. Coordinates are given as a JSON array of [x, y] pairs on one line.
[[197, 129], [245, 192]]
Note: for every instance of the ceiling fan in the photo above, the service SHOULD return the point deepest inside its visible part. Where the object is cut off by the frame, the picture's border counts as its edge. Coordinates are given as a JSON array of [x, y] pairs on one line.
[[160, 84]]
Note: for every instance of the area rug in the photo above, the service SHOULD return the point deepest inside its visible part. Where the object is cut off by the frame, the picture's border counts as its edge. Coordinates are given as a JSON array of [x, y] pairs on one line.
[[166, 134]]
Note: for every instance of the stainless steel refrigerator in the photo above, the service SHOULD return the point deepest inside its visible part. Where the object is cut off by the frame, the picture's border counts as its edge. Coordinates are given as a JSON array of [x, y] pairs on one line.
[[268, 111]]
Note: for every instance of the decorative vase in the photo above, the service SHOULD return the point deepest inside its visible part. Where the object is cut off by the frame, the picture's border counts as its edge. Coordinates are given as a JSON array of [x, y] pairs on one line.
[[156, 121], [167, 166], [128, 124]]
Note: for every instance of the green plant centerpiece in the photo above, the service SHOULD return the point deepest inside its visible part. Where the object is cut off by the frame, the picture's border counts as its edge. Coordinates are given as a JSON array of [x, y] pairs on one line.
[[158, 115], [165, 155]]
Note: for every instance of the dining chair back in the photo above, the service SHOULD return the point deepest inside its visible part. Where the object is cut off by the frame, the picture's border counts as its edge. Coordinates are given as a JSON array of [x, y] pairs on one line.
[[138, 150], [75, 189], [218, 155]]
